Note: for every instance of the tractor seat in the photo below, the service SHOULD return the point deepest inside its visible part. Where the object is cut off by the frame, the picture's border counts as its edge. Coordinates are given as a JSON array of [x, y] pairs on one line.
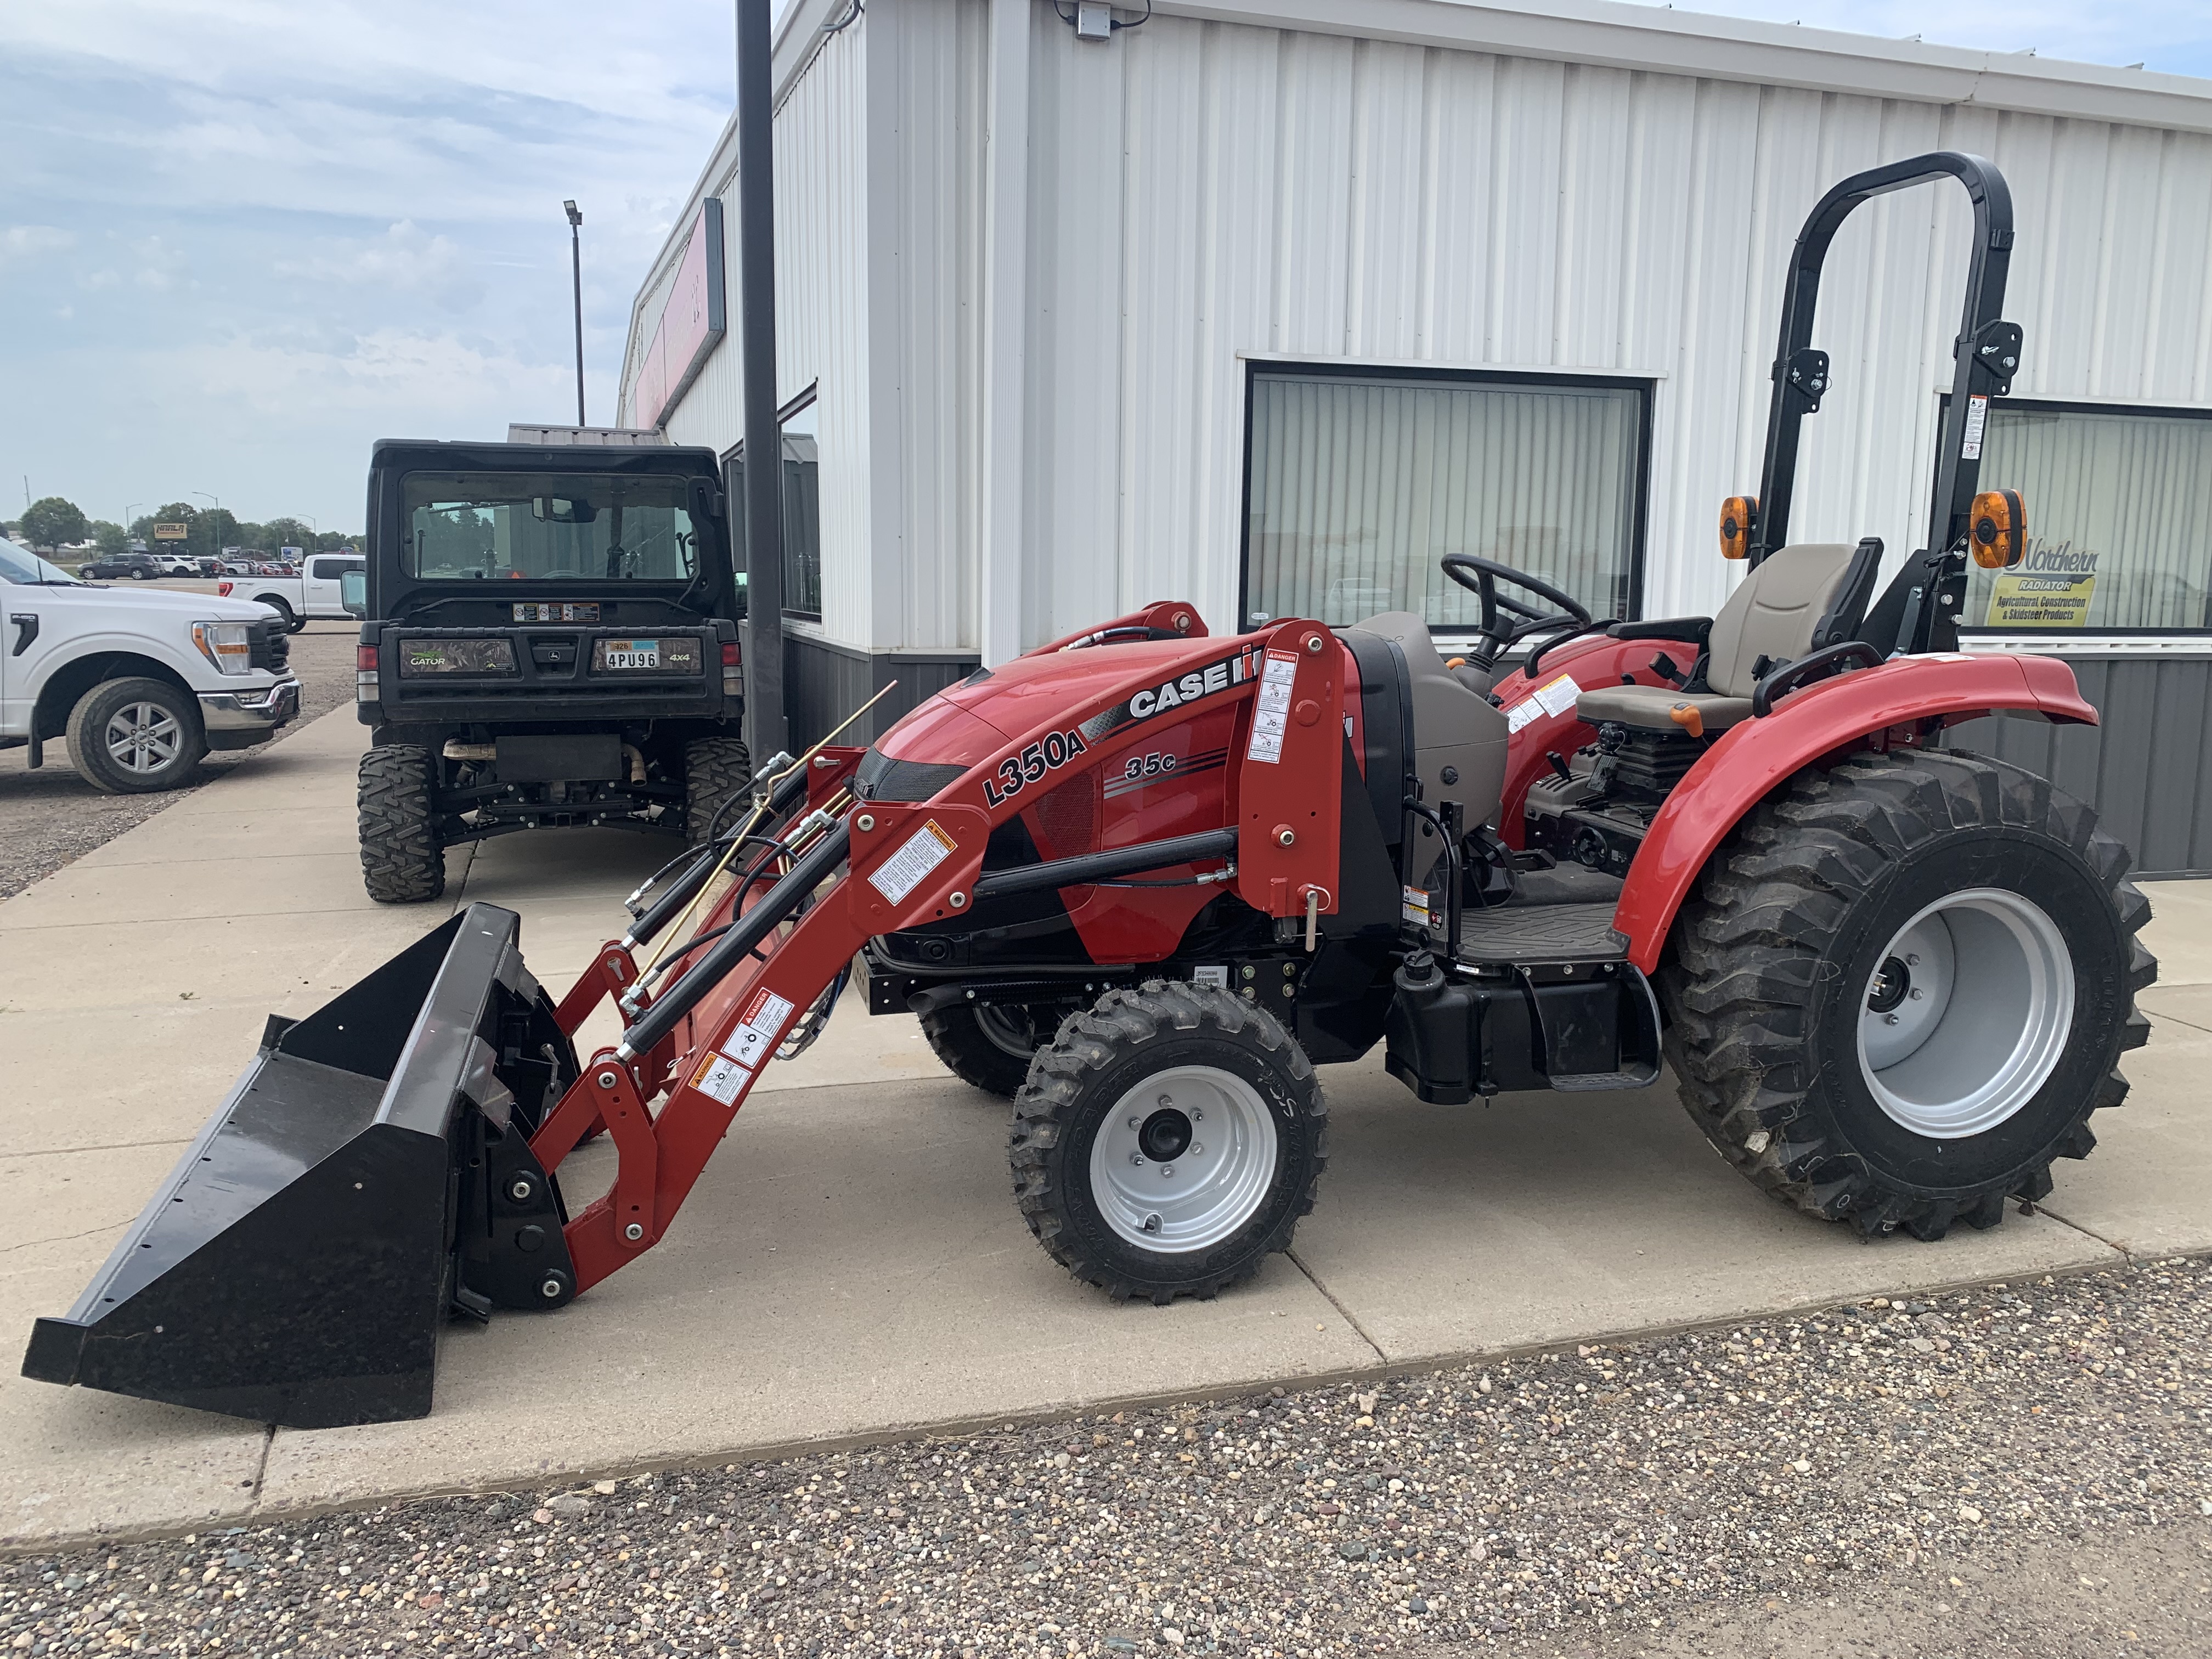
[[1796, 599]]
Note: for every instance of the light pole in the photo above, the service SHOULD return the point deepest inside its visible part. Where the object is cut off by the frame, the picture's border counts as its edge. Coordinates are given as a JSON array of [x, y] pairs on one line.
[[127, 512], [217, 500], [576, 269]]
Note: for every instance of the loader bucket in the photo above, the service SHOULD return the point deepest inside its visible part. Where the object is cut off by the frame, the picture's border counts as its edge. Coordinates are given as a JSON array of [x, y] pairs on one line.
[[297, 1265]]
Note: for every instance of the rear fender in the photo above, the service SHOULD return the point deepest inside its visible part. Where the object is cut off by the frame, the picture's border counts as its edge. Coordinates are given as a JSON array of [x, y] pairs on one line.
[[1890, 704]]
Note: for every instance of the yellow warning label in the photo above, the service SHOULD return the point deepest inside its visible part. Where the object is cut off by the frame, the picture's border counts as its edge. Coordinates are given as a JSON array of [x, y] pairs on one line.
[[2050, 588]]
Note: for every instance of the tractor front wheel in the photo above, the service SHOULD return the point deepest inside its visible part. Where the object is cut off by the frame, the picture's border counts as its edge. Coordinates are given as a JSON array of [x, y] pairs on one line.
[[1904, 988], [1168, 1138]]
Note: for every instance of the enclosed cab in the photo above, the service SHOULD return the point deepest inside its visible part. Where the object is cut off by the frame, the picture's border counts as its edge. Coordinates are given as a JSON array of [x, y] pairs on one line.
[[551, 639]]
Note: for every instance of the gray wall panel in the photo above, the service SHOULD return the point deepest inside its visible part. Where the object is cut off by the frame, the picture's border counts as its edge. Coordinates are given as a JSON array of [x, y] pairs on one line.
[[823, 683], [2143, 768]]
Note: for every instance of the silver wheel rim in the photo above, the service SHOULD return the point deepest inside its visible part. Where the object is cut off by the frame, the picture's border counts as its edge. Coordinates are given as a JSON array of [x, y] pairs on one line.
[[142, 737], [1213, 1183], [1965, 1013]]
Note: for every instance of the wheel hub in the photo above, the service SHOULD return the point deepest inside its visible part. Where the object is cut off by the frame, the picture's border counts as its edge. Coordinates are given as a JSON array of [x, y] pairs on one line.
[[142, 736], [1967, 1014], [1183, 1160]]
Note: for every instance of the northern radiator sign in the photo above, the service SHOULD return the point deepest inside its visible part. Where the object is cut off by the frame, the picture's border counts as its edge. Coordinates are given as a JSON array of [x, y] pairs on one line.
[[171, 533], [2050, 588]]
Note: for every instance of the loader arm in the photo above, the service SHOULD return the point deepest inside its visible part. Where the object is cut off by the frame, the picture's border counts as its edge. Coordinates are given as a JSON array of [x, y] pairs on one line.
[[857, 869]]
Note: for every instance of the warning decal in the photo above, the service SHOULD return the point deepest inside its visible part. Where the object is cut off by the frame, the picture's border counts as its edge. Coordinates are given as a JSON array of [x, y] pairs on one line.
[[755, 1034], [1273, 712], [908, 868], [721, 1076], [1977, 415], [1555, 697]]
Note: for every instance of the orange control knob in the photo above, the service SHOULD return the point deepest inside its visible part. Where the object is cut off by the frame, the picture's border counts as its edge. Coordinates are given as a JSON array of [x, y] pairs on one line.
[[1685, 715]]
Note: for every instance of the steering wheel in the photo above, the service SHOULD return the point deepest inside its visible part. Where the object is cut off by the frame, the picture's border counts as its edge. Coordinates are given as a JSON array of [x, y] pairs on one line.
[[1497, 630]]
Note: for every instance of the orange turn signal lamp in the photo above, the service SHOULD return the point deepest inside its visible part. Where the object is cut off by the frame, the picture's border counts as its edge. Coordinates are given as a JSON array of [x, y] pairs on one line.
[[1996, 529], [1739, 517]]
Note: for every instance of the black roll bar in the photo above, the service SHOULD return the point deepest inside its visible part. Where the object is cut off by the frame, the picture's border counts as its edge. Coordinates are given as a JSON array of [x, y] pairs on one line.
[[1986, 356]]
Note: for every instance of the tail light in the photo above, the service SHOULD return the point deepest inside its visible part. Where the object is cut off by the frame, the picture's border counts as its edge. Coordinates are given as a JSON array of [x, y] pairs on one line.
[[364, 674], [733, 675], [222, 589]]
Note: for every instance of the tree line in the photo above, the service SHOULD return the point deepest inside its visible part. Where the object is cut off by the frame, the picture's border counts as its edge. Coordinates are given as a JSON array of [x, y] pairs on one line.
[[57, 522]]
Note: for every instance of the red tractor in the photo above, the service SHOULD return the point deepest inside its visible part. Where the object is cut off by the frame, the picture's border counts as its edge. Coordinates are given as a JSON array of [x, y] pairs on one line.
[[1145, 880]]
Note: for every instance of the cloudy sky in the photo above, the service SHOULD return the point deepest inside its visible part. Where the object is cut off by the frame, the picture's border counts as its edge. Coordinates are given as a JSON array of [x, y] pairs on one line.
[[240, 239]]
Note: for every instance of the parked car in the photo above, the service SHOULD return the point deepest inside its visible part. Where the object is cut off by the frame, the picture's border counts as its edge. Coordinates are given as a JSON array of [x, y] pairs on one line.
[[140, 685], [146, 567], [177, 564], [297, 598]]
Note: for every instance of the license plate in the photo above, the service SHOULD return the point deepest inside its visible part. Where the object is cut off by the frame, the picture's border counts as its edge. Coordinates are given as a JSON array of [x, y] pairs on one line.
[[669, 654], [557, 613]]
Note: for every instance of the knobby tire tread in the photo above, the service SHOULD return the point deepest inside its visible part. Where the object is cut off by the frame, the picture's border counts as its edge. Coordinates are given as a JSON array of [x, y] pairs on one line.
[[401, 862]]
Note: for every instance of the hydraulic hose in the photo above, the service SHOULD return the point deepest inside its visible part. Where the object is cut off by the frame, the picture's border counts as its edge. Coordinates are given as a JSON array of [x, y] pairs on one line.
[[814, 867], [789, 790]]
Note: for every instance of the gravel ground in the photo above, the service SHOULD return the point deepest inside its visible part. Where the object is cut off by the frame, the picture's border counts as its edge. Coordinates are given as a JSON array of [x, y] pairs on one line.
[[2028, 1467], [51, 816]]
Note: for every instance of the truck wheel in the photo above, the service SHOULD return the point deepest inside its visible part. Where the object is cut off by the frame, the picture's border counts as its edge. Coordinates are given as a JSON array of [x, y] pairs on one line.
[[401, 862], [135, 737], [1167, 1140], [714, 769], [293, 624], [1904, 988], [990, 1045]]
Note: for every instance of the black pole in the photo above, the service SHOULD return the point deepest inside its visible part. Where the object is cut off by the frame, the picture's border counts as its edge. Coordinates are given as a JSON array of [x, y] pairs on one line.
[[765, 729], [576, 269]]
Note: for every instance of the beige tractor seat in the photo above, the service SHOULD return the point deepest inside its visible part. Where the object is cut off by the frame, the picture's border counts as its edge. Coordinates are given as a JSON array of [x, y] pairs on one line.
[[1796, 599], [1652, 706]]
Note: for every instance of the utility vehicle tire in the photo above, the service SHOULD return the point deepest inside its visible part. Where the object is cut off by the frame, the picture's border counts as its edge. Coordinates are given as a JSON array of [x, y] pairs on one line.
[[714, 769], [1903, 988], [989, 1047], [135, 737], [401, 862], [1167, 1140]]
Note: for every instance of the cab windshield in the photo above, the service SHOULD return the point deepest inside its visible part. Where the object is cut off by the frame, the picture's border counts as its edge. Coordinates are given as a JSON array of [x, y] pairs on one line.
[[540, 527], [19, 565]]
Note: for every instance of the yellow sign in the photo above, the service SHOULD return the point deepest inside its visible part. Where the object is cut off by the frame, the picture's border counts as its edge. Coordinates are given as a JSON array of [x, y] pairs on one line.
[[171, 533], [2049, 587]]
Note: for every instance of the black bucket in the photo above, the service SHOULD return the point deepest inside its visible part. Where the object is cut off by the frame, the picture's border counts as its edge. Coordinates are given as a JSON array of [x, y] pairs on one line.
[[369, 1173]]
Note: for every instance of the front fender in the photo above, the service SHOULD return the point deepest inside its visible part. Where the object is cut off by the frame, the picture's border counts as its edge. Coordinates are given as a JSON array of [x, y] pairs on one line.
[[1827, 718]]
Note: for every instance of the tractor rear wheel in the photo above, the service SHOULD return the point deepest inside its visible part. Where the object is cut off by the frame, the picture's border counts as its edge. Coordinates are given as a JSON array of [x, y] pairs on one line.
[[1168, 1138], [990, 1045], [1904, 987]]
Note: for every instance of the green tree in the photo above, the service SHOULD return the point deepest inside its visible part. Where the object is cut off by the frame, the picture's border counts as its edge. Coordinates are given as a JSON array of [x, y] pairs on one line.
[[287, 532], [112, 540], [53, 523], [213, 530]]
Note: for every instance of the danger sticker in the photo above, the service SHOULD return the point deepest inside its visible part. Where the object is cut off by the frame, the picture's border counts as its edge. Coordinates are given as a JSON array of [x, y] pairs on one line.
[[721, 1077], [756, 1033], [1272, 714], [1978, 419], [1554, 697], [908, 868], [1413, 906]]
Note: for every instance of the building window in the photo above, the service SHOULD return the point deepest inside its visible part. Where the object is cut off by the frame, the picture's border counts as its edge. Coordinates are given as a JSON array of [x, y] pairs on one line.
[[1358, 483], [2119, 520], [802, 509]]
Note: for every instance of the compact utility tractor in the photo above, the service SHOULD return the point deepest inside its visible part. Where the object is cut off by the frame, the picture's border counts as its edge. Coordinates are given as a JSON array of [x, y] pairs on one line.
[[1169, 874]]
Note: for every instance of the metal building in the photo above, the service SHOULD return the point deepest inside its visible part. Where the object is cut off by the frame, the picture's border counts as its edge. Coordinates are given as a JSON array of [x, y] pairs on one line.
[[1269, 303]]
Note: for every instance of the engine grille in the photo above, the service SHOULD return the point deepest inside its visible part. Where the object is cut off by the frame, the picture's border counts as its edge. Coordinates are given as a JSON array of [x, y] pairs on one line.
[[271, 645]]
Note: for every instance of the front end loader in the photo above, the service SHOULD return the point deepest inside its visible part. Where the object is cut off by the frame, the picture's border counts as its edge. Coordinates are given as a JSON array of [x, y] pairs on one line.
[[1146, 880]]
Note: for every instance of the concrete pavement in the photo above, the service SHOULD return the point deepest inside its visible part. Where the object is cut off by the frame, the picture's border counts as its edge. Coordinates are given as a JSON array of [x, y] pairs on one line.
[[851, 1265]]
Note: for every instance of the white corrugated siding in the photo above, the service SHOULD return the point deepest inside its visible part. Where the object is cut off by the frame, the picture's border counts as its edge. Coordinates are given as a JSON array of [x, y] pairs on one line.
[[1200, 190]]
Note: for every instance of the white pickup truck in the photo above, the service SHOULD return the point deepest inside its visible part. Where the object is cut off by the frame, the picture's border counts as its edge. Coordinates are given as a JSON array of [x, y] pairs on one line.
[[314, 594], [140, 683]]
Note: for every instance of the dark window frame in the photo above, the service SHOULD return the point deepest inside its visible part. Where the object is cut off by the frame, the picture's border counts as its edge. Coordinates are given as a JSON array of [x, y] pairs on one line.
[[2074, 406], [732, 460], [1644, 386]]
